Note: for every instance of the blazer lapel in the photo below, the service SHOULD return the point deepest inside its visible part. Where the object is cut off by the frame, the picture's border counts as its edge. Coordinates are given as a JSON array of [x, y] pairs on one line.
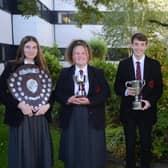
[[131, 69], [90, 78], [71, 78], [146, 68]]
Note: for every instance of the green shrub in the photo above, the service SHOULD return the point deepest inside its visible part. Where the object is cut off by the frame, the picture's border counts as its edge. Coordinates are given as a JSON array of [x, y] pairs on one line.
[[53, 51], [99, 48], [158, 50], [54, 69], [3, 139], [53, 66], [115, 142]]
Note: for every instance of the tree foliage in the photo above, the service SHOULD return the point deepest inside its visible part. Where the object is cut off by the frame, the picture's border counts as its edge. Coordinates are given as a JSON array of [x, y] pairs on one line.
[[99, 48], [28, 7]]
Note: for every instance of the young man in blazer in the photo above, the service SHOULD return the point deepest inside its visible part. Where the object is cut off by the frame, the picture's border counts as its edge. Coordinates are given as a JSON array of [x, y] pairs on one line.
[[149, 70]]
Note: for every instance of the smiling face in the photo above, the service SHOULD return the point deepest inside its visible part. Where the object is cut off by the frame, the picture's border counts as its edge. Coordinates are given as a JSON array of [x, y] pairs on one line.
[[139, 48], [80, 56], [30, 51]]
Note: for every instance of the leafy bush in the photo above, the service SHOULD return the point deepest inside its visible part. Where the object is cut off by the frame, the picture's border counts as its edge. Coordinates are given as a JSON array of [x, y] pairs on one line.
[[115, 142], [53, 51], [158, 50], [54, 69], [3, 139], [99, 48], [53, 66]]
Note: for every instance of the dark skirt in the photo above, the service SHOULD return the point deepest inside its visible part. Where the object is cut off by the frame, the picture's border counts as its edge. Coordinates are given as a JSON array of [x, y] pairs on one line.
[[81, 145], [30, 144]]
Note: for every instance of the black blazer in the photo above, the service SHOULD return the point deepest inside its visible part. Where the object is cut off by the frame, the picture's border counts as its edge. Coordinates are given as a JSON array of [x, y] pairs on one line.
[[152, 90], [97, 95], [13, 115]]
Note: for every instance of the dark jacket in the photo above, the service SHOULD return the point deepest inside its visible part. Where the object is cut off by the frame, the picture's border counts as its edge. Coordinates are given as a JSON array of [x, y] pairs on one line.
[[13, 115], [97, 95], [152, 90]]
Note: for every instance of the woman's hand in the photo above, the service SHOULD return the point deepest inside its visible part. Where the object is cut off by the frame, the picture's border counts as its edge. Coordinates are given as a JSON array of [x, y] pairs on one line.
[[78, 100], [42, 110], [25, 108], [72, 100], [83, 100]]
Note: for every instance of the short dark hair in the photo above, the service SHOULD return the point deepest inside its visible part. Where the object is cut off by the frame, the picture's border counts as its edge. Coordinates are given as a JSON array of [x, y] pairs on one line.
[[140, 37]]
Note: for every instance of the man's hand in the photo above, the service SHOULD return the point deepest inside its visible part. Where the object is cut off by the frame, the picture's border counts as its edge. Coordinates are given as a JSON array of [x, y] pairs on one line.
[[147, 104], [130, 91]]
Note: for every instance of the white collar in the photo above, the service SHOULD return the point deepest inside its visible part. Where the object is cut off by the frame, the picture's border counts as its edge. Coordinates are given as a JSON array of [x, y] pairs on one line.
[[77, 68], [26, 62], [141, 60]]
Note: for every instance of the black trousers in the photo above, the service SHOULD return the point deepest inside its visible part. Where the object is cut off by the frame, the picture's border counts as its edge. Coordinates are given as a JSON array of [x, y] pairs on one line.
[[145, 129]]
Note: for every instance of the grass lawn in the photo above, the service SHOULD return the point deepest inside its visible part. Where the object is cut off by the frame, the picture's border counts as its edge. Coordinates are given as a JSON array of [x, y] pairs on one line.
[[4, 145]]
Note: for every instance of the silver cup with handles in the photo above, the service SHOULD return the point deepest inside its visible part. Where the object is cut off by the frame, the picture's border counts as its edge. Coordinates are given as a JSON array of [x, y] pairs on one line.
[[138, 86], [80, 81]]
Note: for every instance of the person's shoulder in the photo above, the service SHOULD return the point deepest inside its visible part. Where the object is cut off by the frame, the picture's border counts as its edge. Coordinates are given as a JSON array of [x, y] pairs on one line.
[[126, 59], [66, 70], [153, 61], [96, 69], [11, 63]]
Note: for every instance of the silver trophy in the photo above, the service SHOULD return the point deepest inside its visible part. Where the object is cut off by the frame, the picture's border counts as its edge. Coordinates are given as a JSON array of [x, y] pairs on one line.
[[80, 80], [138, 86]]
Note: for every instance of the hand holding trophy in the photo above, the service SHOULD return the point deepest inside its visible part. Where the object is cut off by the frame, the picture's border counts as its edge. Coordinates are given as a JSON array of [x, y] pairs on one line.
[[137, 85]]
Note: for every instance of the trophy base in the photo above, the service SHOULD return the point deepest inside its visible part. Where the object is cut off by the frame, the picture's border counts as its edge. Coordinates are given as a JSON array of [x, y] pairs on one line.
[[137, 105]]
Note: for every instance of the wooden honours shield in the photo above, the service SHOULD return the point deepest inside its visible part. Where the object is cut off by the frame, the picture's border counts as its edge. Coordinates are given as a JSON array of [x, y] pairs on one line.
[[30, 85]]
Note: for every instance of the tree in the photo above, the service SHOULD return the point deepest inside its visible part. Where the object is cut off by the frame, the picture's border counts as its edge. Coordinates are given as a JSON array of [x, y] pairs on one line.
[[28, 7], [123, 18], [129, 16]]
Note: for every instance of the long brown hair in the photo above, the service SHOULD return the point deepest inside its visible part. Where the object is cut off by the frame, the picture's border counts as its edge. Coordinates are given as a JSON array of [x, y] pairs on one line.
[[39, 59]]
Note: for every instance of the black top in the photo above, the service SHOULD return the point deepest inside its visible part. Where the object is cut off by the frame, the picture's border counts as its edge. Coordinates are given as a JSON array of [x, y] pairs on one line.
[[97, 95], [151, 91]]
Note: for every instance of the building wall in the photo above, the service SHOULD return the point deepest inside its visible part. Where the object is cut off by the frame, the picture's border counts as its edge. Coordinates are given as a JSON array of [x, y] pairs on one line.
[[5, 28], [48, 3], [51, 25], [64, 5], [64, 34], [35, 26]]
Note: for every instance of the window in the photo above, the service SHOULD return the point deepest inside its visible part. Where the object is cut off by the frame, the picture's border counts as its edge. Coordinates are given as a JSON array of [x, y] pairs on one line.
[[66, 18], [1, 3]]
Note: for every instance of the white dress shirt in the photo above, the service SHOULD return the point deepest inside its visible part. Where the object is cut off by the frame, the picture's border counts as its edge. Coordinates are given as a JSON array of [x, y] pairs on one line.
[[141, 65], [142, 60], [85, 72]]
